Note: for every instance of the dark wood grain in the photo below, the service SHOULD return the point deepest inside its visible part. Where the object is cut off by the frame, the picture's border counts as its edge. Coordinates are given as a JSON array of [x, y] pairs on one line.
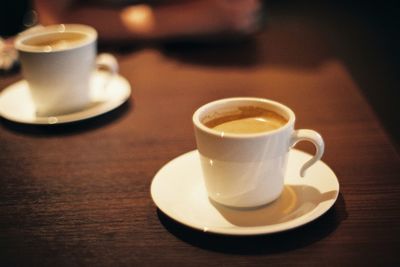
[[78, 194]]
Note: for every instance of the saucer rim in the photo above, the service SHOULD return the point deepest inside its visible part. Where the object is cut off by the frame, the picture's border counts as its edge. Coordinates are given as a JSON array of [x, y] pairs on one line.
[[297, 222], [84, 114]]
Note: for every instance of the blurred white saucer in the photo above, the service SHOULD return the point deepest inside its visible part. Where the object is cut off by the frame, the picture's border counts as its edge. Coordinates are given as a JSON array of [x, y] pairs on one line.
[[17, 105]]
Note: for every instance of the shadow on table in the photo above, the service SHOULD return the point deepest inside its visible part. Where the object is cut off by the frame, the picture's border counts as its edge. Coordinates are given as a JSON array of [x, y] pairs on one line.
[[262, 244], [239, 52], [68, 128], [283, 42]]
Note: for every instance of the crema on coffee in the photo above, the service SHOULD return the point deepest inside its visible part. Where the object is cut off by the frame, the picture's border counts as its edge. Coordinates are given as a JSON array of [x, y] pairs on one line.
[[55, 41], [245, 120]]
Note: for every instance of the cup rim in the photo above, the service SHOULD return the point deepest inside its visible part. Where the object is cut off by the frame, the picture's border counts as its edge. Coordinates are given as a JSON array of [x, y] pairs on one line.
[[89, 31], [197, 123]]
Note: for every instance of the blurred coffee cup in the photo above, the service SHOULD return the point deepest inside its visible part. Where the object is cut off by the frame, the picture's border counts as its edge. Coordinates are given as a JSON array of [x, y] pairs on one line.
[[57, 63]]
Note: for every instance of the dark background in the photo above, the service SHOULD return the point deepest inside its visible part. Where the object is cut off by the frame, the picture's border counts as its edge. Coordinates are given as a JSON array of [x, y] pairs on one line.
[[365, 36], [370, 50]]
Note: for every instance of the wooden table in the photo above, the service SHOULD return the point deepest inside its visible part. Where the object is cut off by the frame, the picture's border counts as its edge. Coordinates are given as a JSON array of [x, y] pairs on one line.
[[79, 194]]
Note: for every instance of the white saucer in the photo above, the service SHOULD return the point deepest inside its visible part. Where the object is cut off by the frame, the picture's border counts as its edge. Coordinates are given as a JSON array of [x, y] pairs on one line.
[[178, 191], [17, 105]]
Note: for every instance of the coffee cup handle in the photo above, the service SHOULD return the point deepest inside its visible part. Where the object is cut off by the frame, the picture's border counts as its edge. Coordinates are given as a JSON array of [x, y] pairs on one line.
[[313, 137], [107, 63]]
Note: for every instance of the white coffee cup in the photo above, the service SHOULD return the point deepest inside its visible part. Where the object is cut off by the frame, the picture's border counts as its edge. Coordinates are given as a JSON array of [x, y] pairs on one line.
[[248, 169], [57, 62]]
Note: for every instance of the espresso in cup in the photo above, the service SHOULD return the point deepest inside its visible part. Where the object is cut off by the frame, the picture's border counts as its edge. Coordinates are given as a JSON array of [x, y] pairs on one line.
[[56, 41], [246, 120]]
